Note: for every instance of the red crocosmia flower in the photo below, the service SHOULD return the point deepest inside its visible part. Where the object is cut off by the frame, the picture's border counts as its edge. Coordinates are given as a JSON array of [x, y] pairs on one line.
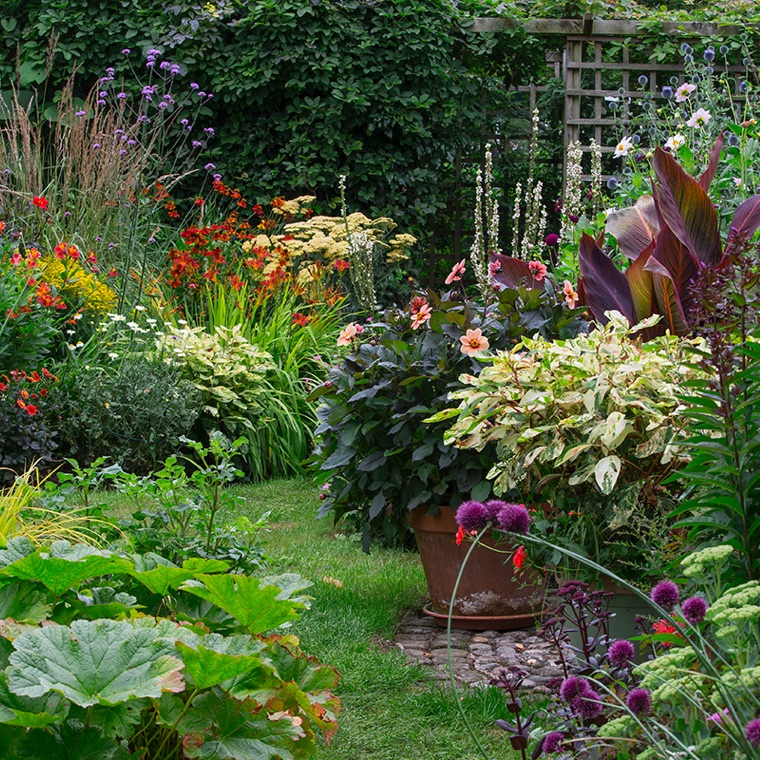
[[31, 409], [518, 558], [461, 533], [40, 202]]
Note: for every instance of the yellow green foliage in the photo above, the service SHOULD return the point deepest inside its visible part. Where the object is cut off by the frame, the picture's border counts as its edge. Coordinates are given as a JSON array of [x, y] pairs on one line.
[[77, 286]]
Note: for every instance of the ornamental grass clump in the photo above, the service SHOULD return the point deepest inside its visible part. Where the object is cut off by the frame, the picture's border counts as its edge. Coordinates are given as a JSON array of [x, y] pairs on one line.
[[586, 430]]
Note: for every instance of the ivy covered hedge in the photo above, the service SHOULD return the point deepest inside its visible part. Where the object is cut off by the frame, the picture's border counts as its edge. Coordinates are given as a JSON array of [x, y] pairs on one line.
[[304, 90]]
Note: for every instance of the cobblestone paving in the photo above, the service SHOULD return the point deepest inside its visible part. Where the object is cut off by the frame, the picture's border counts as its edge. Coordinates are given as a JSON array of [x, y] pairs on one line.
[[479, 655]]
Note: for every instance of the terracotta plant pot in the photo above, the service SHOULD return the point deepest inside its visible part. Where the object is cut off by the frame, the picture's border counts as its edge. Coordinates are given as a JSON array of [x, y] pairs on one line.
[[490, 595]]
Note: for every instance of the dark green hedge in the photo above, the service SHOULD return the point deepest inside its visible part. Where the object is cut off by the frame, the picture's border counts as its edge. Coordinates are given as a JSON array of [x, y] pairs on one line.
[[305, 90]]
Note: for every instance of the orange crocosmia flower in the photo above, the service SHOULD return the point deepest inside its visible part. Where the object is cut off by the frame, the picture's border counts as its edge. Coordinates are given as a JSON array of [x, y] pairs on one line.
[[518, 558], [473, 342], [40, 202]]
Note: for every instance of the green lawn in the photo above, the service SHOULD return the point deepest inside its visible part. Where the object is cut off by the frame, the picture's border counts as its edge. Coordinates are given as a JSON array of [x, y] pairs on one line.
[[391, 710]]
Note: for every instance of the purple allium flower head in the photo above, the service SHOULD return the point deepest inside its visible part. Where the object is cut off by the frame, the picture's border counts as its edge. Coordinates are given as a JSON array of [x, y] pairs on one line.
[[621, 653], [551, 742], [493, 507], [194, 86], [513, 518], [126, 51], [574, 218], [694, 609], [121, 95], [638, 701], [665, 593], [209, 167], [551, 240], [209, 131], [196, 144], [752, 733], [472, 515], [588, 705], [574, 686]]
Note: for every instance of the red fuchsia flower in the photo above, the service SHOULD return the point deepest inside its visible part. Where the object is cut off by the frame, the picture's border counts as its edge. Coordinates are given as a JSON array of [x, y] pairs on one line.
[[537, 269], [40, 202], [473, 342], [455, 275], [571, 297], [472, 515], [638, 701], [423, 315], [341, 265], [694, 609], [347, 335], [513, 518], [666, 594], [518, 558]]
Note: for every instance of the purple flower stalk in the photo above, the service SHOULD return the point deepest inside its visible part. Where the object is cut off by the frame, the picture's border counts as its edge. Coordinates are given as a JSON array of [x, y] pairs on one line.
[[666, 594], [638, 701], [472, 515], [621, 653], [694, 609], [513, 518]]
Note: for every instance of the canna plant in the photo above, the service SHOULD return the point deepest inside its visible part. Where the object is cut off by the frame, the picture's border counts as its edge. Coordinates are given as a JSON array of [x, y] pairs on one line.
[[669, 236]]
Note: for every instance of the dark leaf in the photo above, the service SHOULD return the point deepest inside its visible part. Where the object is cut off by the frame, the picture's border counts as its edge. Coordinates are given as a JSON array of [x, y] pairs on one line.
[[605, 286]]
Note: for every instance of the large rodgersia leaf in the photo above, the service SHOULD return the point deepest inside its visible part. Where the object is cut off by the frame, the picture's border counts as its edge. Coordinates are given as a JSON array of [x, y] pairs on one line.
[[94, 662]]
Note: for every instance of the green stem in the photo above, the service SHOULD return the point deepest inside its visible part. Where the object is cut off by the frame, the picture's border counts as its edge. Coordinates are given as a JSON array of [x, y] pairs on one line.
[[458, 701], [173, 729]]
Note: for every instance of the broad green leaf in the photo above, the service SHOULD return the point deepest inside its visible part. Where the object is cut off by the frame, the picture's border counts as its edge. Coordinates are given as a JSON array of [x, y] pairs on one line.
[[24, 602], [257, 609], [209, 668], [30, 712], [59, 574], [94, 662], [222, 728], [71, 741], [17, 548], [114, 720]]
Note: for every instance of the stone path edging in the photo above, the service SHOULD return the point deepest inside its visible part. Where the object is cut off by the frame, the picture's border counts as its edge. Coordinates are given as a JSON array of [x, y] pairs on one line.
[[478, 656]]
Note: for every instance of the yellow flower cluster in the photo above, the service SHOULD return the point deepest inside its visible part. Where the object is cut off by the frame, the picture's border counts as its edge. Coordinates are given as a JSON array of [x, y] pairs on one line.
[[327, 237], [295, 206], [77, 286]]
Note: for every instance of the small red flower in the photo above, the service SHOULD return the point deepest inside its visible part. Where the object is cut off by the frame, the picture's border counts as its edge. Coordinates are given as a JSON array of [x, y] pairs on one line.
[[461, 533], [40, 202], [341, 265], [31, 409], [112, 272], [518, 558]]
